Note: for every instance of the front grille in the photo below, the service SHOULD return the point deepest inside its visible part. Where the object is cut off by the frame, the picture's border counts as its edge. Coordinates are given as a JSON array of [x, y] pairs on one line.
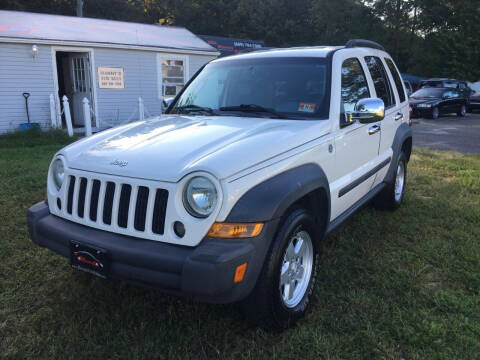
[[117, 204], [108, 204], [159, 210], [141, 208], [94, 200]]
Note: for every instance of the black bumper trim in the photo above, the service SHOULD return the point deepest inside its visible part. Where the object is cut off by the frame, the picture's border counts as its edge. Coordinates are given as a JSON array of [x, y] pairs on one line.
[[204, 272]]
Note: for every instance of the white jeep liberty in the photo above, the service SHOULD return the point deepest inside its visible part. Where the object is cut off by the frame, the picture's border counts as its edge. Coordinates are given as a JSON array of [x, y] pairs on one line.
[[228, 196]]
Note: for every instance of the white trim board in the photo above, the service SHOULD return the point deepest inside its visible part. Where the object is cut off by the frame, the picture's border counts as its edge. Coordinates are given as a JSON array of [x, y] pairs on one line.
[[104, 45]]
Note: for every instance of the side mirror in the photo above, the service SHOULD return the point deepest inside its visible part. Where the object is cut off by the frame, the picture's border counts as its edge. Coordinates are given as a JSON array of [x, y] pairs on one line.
[[366, 111], [166, 103]]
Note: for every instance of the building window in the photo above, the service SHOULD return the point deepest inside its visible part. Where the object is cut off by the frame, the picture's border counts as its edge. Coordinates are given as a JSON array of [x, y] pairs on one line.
[[173, 77]]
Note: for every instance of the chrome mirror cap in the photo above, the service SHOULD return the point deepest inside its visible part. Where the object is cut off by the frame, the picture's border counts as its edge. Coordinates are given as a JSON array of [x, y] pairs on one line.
[[367, 111]]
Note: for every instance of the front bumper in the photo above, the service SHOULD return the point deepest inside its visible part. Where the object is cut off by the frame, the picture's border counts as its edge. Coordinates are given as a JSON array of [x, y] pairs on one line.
[[421, 112], [205, 272]]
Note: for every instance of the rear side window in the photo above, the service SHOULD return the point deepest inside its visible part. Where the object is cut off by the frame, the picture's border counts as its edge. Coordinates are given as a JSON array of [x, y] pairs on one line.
[[354, 84], [451, 94], [449, 84], [380, 80], [397, 79]]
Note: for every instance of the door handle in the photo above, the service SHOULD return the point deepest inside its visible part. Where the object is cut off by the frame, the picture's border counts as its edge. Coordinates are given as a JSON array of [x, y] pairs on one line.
[[373, 129], [398, 116]]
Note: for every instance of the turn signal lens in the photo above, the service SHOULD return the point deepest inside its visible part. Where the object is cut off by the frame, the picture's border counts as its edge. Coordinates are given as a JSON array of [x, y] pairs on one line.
[[235, 230], [240, 272]]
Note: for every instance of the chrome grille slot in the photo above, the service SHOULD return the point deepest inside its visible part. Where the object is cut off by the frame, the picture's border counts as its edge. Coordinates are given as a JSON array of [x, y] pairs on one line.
[[115, 205]]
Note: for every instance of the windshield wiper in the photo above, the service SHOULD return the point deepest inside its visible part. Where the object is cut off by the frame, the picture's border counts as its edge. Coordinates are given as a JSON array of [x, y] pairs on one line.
[[253, 108], [192, 107]]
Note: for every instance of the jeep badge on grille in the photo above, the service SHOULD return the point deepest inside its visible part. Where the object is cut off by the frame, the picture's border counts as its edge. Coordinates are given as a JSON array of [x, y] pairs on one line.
[[119, 163]]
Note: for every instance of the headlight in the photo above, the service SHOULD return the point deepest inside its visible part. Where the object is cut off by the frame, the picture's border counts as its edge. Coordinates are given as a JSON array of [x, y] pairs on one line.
[[58, 173], [200, 197]]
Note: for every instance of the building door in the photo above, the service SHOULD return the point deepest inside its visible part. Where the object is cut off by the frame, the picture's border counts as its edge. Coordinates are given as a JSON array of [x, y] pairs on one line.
[[81, 85]]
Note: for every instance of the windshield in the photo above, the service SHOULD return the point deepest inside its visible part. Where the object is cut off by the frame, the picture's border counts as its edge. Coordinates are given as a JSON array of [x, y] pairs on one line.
[[295, 88], [428, 93]]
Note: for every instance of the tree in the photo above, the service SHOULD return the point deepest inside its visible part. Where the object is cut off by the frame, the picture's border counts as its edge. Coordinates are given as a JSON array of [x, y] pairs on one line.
[[425, 37]]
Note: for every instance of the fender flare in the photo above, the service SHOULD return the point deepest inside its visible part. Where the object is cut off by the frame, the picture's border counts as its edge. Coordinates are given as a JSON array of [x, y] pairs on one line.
[[403, 133], [271, 198]]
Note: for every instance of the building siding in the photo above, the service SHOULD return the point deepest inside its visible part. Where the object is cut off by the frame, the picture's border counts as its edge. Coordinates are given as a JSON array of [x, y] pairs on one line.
[[141, 80], [19, 73], [197, 61], [118, 106]]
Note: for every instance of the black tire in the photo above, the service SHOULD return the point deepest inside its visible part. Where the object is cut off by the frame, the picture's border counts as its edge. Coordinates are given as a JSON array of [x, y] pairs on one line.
[[462, 111], [435, 113], [387, 199], [265, 305]]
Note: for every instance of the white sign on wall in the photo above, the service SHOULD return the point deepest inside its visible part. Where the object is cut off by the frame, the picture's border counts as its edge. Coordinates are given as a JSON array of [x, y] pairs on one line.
[[111, 78]]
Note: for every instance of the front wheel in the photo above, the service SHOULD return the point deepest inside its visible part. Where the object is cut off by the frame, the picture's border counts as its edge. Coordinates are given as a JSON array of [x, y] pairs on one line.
[[285, 286], [391, 197], [462, 111]]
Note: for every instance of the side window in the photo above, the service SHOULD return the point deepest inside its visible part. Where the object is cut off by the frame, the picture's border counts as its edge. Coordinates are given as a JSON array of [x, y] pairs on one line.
[[397, 79], [354, 85], [448, 94], [380, 80]]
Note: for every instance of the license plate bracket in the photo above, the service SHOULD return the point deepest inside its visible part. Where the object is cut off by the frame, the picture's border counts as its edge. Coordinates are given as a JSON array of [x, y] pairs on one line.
[[90, 259]]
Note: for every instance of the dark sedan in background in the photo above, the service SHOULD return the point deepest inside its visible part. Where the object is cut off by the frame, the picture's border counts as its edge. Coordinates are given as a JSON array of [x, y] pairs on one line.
[[432, 102], [472, 97]]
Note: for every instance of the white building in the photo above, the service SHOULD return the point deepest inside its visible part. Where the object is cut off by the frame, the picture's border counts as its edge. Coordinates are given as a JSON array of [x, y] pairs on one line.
[[110, 63]]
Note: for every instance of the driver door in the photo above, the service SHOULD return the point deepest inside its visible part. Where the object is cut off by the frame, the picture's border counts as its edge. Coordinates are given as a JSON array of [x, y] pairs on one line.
[[449, 103], [356, 144]]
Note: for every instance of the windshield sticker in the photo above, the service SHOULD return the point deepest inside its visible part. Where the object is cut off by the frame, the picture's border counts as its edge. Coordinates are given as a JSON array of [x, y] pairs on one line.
[[306, 107]]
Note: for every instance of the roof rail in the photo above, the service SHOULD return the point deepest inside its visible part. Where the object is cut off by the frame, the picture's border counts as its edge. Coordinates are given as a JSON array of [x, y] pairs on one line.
[[363, 43]]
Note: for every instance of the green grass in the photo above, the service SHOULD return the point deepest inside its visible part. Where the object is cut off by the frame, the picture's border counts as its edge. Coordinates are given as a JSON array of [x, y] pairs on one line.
[[403, 285]]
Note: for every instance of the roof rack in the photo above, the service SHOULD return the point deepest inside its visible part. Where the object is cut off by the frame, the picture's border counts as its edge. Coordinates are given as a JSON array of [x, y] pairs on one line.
[[363, 43]]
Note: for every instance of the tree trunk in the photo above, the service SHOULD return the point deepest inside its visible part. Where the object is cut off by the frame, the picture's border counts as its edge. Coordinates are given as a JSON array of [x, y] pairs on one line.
[[79, 8]]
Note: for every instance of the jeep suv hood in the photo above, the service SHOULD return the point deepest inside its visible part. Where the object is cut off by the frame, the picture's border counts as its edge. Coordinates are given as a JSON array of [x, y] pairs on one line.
[[168, 147]]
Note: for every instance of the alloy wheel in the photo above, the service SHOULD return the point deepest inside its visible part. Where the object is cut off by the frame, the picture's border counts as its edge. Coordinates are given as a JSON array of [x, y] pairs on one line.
[[399, 181], [296, 269]]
